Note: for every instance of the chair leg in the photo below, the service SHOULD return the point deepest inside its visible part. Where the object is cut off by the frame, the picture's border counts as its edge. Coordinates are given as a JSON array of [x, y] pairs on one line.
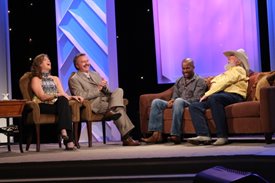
[[104, 131], [89, 132], [29, 129], [59, 140], [268, 138], [37, 126], [76, 134]]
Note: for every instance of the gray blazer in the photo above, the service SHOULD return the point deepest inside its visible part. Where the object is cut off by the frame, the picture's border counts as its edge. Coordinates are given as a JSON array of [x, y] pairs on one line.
[[81, 85]]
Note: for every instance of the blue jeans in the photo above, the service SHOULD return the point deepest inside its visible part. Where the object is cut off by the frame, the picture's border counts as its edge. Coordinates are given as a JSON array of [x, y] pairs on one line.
[[156, 115], [216, 103]]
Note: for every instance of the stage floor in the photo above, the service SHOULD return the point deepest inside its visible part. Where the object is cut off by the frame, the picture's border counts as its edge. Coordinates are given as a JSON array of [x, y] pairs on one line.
[[114, 150], [158, 160]]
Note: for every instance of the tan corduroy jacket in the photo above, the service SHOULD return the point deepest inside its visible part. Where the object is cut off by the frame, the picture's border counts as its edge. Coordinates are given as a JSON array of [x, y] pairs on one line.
[[234, 80]]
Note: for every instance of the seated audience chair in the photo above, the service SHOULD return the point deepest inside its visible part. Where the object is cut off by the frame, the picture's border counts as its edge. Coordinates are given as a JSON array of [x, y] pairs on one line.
[[31, 113]]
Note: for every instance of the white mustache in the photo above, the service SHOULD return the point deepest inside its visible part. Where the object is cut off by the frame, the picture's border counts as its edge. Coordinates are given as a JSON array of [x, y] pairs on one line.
[[228, 66]]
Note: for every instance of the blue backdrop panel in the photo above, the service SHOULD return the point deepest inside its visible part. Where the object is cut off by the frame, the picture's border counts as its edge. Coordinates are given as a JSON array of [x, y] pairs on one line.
[[87, 26]]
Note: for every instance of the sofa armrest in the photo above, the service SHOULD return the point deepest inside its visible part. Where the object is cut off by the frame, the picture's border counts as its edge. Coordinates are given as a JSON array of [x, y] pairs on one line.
[[267, 106], [145, 101]]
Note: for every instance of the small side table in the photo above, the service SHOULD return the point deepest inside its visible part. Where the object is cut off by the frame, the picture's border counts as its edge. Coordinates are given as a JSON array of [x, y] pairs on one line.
[[12, 109]]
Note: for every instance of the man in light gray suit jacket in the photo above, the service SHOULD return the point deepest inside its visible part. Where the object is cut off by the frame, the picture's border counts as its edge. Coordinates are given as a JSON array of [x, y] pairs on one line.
[[91, 86]]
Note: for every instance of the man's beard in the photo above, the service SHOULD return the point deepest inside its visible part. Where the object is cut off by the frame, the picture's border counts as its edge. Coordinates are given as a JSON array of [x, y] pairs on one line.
[[229, 66]]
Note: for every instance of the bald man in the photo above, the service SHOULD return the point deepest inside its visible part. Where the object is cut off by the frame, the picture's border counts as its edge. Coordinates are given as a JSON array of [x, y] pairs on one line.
[[188, 89]]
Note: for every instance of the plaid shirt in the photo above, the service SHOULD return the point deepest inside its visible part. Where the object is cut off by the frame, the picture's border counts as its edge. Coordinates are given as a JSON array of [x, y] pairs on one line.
[[189, 89]]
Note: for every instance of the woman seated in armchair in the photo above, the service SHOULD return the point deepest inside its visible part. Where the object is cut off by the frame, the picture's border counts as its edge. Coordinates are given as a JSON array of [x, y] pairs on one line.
[[52, 99]]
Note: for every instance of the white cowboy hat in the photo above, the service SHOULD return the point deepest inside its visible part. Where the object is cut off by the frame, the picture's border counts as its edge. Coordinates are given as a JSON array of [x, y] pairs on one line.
[[241, 55]]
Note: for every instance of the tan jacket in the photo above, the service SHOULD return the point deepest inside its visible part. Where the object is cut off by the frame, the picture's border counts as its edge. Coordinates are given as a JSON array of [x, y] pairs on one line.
[[234, 80]]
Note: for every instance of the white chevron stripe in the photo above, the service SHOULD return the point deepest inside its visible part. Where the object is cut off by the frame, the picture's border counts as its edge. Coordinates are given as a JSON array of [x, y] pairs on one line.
[[81, 49], [90, 32], [97, 10]]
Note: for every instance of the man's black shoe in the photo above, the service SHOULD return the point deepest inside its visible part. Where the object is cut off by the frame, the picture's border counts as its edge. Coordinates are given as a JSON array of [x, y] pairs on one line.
[[111, 115]]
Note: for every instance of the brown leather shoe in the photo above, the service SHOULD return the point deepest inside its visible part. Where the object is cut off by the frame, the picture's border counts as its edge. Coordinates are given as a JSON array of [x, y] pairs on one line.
[[154, 139], [174, 138], [111, 115], [130, 142]]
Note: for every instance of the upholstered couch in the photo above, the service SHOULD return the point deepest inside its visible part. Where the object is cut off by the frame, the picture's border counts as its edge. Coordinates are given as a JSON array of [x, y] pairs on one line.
[[256, 115]]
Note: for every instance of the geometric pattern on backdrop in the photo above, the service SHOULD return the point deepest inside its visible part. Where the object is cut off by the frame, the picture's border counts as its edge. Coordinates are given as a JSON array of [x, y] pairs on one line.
[[81, 26]]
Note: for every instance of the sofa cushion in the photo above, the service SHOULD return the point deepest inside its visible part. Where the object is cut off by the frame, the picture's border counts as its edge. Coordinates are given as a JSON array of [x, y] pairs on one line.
[[253, 79], [243, 109], [167, 114], [271, 79], [262, 81], [260, 84]]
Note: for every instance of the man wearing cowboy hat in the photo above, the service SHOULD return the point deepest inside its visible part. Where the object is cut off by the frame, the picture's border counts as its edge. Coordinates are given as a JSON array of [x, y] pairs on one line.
[[227, 88]]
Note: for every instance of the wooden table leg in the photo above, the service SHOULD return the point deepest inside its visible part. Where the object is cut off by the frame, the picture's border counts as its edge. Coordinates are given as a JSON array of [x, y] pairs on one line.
[[8, 135], [13, 134], [20, 133]]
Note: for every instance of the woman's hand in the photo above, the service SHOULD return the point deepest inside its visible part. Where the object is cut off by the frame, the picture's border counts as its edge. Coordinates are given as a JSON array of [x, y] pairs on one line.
[[64, 95]]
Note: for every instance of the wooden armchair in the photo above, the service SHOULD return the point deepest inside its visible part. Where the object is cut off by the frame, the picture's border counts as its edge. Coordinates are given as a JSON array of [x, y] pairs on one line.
[[31, 113], [86, 115]]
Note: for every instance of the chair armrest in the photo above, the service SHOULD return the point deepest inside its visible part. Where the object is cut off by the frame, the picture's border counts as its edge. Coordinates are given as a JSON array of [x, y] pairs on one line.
[[145, 101], [31, 112], [75, 107], [267, 106], [86, 111]]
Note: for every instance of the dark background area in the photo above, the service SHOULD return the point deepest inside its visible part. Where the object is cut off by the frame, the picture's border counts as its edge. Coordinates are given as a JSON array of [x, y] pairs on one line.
[[33, 31]]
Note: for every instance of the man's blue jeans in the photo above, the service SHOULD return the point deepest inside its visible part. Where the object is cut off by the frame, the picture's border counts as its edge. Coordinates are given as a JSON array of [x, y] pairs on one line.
[[156, 115], [216, 103]]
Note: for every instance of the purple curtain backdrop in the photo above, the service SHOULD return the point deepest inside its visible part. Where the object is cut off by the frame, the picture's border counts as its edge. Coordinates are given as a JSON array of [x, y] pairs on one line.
[[203, 30]]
